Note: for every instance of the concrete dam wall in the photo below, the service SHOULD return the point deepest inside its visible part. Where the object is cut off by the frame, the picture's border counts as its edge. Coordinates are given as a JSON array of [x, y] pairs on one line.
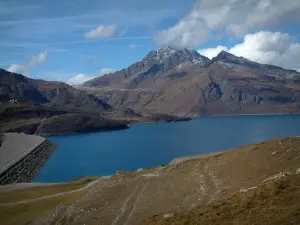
[[22, 156]]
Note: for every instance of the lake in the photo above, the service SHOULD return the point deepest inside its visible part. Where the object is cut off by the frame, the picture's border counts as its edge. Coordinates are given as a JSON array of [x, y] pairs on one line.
[[147, 145]]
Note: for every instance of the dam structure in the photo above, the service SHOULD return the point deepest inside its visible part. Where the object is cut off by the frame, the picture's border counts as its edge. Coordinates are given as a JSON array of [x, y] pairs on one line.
[[22, 156]]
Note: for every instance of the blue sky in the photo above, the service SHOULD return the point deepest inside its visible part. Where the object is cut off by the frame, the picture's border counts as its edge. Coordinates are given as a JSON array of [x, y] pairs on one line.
[[59, 39]]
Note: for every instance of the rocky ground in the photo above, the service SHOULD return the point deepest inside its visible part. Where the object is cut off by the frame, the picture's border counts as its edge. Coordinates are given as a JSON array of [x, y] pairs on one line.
[[164, 194], [26, 168]]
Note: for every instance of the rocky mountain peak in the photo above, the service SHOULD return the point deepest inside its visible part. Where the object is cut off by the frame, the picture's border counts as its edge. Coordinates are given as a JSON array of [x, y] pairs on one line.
[[192, 54], [155, 63], [269, 70], [165, 52], [226, 57], [157, 56], [160, 55], [230, 58]]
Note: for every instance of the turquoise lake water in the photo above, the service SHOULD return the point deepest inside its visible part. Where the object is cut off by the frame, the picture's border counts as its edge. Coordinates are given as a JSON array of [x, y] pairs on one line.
[[147, 145]]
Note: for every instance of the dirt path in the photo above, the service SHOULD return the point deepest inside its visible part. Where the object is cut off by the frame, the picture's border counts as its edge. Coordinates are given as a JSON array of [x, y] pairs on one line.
[[52, 196], [135, 204], [217, 183], [129, 205], [204, 186]]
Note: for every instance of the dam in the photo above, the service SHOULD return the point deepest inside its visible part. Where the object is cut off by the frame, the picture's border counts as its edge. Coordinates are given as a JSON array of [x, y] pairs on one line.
[[22, 156]]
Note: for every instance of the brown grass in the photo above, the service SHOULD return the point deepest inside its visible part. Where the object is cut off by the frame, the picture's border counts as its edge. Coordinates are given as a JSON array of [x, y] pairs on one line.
[[197, 191], [276, 202], [36, 192], [25, 213]]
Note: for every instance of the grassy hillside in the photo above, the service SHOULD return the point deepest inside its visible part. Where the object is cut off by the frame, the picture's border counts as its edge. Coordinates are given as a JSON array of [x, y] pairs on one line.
[[253, 184], [274, 202]]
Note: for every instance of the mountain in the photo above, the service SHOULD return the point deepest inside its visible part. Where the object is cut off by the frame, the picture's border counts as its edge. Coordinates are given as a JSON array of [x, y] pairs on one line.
[[270, 70], [182, 82], [47, 108], [51, 108], [17, 86], [154, 64]]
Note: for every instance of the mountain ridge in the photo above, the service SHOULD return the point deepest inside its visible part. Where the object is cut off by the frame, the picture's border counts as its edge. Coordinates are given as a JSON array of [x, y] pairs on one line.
[[224, 56], [15, 85], [155, 57], [155, 62], [51, 108], [182, 82]]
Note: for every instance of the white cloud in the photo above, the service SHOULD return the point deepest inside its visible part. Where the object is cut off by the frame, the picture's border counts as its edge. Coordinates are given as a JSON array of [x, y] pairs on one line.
[[38, 59], [81, 78], [105, 71], [23, 68], [188, 32], [18, 68], [132, 46], [277, 48], [101, 32], [212, 52], [236, 17]]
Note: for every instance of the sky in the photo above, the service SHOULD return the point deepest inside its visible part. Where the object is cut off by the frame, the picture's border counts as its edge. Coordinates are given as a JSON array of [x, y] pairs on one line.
[[75, 40]]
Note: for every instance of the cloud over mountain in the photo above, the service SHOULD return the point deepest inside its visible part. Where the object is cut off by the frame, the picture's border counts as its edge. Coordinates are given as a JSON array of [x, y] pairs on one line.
[[18, 68], [23, 68], [232, 17], [81, 78], [264, 47]]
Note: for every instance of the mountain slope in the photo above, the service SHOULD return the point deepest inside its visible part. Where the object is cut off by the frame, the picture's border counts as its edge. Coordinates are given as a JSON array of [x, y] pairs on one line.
[[194, 85], [269, 70], [51, 108], [16, 86], [154, 64]]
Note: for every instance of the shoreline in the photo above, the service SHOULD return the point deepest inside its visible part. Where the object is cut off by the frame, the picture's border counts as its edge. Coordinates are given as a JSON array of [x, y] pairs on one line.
[[173, 162], [185, 157], [85, 132], [180, 119], [249, 114]]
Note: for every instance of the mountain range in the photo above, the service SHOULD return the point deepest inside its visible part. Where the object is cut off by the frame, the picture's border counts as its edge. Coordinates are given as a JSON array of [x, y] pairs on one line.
[[185, 83], [162, 87], [51, 108]]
